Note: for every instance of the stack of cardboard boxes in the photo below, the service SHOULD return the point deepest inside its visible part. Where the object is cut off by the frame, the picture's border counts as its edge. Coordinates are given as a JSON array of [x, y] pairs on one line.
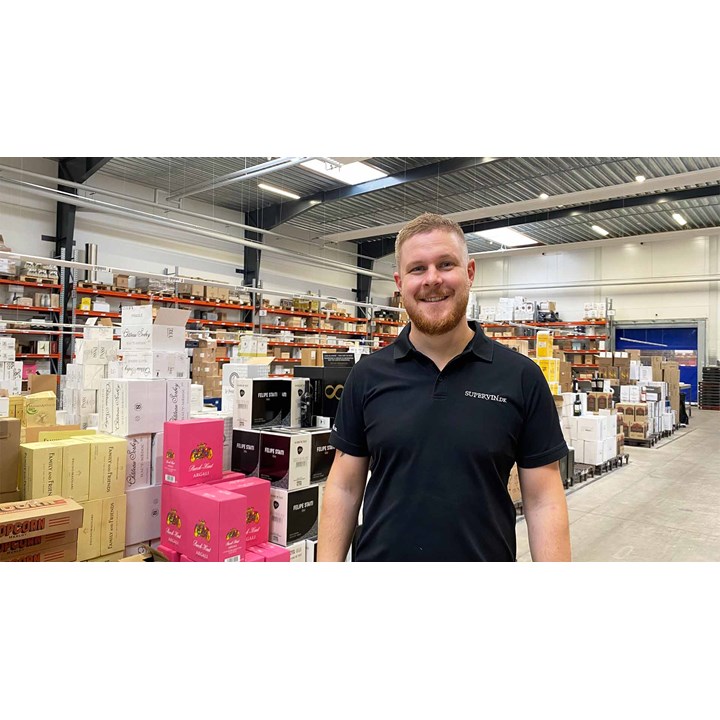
[[10, 369], [205, 368], [44, 530], [268, 442], [208, 515], [595, 435]]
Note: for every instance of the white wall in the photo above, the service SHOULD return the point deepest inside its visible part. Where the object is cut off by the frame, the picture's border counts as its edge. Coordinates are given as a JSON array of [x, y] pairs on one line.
[[629, 261]]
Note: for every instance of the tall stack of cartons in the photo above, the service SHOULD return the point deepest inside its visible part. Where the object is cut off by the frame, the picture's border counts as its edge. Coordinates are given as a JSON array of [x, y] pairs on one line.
[[268, 441], [154, 387], [671, 375], [84, 377], [205, 368], [592, 435], [549, 365]]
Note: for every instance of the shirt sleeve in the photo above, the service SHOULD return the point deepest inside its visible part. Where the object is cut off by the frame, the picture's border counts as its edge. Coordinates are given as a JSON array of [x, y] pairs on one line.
[[348, 431], [541, 441]]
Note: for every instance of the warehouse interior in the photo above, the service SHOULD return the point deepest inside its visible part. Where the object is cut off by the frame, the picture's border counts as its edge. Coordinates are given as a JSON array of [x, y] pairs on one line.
[[635, 236]]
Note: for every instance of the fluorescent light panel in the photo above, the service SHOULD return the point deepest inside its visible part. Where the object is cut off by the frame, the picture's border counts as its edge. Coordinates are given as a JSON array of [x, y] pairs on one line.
[[350, 174], [679, 219], [600, 231], [278, 191], [506, 236]]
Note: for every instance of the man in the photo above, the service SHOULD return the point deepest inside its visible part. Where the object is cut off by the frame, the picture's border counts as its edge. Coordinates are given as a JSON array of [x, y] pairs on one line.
[[439, 418]]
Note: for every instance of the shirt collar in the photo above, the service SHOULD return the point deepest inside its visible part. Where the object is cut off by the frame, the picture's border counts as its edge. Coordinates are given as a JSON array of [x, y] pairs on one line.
[[480, 345]]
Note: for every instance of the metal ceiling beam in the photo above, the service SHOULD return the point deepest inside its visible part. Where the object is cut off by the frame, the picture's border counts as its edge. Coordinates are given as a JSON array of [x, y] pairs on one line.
[[280, 213], [245, 174], [622, 190], [575, 210]]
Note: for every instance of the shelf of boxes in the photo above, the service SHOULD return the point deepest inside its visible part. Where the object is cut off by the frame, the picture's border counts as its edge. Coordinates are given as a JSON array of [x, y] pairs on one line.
[[314, 331], [221, 323], [97, 313], [28, 283], [394, 323], [287, 360], [276, 343], [30, 308], [319, 315], [385, 335], [38, 356]]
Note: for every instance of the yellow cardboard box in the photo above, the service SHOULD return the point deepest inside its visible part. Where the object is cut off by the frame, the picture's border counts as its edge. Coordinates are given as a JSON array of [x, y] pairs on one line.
[[40, 409], [75, 470], [15, 548], [112, 536], [108, 558], [61, 553], [108, 461], [89, 535], [41, 470]]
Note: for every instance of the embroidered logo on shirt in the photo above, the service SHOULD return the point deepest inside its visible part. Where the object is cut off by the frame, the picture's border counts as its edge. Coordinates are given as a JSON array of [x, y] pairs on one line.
[[485, 396]]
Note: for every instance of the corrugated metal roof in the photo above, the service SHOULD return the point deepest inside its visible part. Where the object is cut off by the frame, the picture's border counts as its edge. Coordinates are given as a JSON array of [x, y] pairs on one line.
[[505, 180]]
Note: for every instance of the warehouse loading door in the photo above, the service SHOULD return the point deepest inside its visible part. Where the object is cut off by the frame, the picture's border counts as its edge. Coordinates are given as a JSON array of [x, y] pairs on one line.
[[677, 343]]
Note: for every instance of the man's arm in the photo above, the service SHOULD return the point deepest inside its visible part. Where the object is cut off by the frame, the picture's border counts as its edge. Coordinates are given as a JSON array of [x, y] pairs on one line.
[[341, 505], [546, 514]]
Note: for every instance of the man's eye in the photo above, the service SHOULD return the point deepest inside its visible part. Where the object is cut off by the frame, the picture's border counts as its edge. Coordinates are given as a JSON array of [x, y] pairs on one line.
[[416, 269]]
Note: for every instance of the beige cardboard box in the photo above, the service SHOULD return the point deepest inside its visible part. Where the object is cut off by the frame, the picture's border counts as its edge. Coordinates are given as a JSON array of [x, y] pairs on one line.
[[17, 408], [29, 518], [90, 534], [41, 468], [42, 383], [42, 435], [40, 409], [9, 455], [638, 430], [75, 470], [14, 548], [114, 557], [112, 534], [108, 463], [61, 553]]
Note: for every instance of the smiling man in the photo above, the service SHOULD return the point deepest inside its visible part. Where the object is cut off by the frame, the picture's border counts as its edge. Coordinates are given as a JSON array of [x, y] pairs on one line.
[[439, 418]]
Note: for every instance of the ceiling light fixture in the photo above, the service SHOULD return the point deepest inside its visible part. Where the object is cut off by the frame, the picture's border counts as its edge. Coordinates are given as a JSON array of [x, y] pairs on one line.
[[639, 178], [600, 231], [315, 202], [506, 237], [679, 219], [351, 174], [278, 191], [543, 196]]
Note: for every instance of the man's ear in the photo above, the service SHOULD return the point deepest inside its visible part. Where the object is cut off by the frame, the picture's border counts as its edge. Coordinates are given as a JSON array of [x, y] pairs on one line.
[[398, 281], [471, 270]]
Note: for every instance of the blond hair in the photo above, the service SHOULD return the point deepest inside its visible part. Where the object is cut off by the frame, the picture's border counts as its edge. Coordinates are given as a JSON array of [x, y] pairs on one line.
[[425, 223]]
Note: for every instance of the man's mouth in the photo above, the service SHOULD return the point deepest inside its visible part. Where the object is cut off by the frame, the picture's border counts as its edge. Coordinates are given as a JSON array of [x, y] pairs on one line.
[[434, 299]]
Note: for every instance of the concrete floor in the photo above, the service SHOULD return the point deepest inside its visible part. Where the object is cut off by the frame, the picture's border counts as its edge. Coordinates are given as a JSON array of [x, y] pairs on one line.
[[664, 505]]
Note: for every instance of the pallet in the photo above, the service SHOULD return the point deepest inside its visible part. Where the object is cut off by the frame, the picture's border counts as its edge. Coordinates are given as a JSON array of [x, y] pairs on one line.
[[93, 286], [37, 280], [129, 291], [645, 442]]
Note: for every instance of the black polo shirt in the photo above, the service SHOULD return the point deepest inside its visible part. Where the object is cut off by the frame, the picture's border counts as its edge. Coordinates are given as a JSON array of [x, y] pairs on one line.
[[441, 447]]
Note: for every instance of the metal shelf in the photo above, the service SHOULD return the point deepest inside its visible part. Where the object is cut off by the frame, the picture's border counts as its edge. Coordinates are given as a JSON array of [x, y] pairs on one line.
[[27, 283], [30, 308]]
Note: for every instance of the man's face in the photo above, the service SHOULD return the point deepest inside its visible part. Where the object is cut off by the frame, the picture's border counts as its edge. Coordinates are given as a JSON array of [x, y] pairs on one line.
[[434, 279]]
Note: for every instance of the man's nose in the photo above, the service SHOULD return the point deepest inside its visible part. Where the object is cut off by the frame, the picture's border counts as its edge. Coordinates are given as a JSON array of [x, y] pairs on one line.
[[432, 276]]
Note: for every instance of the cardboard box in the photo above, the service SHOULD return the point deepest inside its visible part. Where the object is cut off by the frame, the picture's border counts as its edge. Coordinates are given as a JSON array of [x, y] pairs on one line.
[[156, 459], [112, 531], [177, 399], [297, 551], [40, 409], [75, 482], [294, 515], [108, 465], [264, 403], [173, 521], [61, 553], [15, 548], [30, 518], [42, 383], [322, 454], [41, 468], [250, 556], [89, 536], [192, 451], [257, 492], [138, 465], [271, 552], [637, 430], [10, 454], [285, 458], [143, 514], [138, 406], [246, 444], [215, 524]]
